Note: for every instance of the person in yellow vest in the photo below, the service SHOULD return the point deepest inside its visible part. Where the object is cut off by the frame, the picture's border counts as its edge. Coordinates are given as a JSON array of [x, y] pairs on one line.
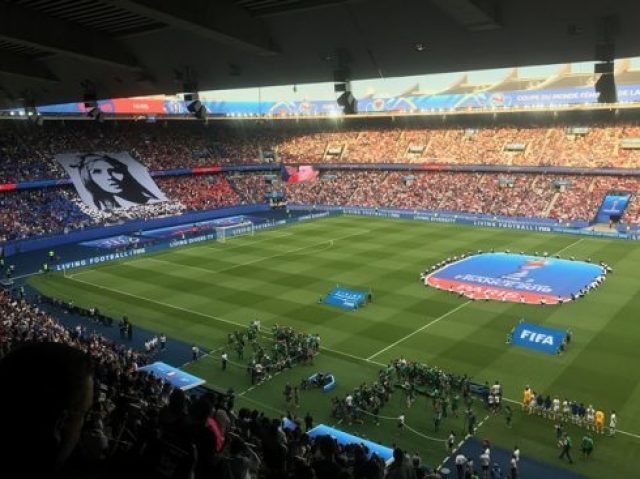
[[526, 399], [599, 421]]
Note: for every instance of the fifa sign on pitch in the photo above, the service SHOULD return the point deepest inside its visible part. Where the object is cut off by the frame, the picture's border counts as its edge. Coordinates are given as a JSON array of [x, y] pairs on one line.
[[536, 337]]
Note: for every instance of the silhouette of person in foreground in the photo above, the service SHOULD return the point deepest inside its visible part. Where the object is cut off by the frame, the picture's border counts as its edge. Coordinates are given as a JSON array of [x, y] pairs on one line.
[[47, 390]]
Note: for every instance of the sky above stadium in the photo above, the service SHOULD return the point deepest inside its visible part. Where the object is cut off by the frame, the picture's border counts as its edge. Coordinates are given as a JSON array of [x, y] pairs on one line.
[[389, 87]]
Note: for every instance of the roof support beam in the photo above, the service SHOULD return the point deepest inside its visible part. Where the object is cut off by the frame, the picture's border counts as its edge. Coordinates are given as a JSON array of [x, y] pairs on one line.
[[31, 28], [13, 64], [473, 15], [219, 20], [270, 10]]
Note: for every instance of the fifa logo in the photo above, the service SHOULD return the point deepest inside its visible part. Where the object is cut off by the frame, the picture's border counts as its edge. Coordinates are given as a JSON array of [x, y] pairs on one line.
[[613, 208], [524, 269], [534, 337]]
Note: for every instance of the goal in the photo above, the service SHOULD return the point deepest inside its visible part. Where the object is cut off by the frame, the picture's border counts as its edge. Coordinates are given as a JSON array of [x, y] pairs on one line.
[[241, 229]]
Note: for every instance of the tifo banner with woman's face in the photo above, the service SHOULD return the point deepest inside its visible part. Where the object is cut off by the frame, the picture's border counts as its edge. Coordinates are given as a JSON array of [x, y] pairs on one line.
[[107, 181]]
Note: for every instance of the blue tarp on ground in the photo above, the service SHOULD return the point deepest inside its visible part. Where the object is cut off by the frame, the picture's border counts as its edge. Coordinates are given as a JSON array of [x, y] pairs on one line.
[[344, 439], [174, 376], [344, 298], [536, 337], [518, 278]]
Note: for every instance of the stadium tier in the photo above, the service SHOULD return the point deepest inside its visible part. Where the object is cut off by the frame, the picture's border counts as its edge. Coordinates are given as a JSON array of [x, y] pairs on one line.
[[562, 198], [27, 152]]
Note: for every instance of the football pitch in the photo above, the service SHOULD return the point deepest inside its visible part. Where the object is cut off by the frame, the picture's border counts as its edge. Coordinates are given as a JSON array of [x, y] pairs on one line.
[[199, 294]]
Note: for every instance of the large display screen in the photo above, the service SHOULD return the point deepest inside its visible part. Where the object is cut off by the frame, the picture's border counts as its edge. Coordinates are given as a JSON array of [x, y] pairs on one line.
[[612, 207]]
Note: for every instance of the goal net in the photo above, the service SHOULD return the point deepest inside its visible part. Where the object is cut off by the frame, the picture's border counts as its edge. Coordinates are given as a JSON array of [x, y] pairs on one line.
[[223, 233]]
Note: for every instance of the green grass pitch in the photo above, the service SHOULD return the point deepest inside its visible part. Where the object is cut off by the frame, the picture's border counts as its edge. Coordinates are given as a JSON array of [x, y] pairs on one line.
[[201, 293]]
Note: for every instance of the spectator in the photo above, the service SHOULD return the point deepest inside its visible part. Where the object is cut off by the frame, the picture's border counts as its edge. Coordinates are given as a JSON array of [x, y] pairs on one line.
[[326, 466], [244, 462], [43, 414], [401, 467]]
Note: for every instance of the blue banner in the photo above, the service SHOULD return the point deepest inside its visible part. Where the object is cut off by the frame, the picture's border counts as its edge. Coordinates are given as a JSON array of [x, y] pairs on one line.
[[345, 439], [539, 338], [112, 242], [102, 258], [344, 298], [174, 376]]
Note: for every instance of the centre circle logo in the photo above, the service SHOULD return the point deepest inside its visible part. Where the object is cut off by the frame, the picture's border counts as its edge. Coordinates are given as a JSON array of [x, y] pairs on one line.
[[515, 277]]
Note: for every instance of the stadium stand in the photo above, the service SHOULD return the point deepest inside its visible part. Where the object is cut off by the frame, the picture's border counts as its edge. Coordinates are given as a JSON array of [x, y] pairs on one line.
[[496, 194], [28, 213], [27, 152], [564, 198]]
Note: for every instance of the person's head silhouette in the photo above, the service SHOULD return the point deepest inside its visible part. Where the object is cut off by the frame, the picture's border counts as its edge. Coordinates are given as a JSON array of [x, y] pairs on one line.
[[47, 392]]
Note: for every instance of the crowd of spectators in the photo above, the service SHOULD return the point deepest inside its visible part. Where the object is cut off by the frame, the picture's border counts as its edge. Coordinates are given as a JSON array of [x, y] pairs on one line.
[[35, 212], [123, 398], [251, 188], [562, 198], [27, 151], [199, 192], [599, 145]]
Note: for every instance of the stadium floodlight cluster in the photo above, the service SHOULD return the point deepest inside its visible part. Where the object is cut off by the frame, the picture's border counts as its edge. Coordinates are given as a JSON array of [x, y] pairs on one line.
[[245, 228]]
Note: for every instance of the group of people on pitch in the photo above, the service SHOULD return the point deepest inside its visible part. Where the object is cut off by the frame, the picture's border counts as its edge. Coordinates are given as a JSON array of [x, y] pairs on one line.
[[568, 411], [288, 348]]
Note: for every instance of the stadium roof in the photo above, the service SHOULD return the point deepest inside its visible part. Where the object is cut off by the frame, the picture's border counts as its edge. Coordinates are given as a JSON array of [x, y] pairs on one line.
[[49, 48]]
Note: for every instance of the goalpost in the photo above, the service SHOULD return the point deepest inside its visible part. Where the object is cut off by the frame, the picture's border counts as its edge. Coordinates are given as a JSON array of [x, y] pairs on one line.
[[241, 229]]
